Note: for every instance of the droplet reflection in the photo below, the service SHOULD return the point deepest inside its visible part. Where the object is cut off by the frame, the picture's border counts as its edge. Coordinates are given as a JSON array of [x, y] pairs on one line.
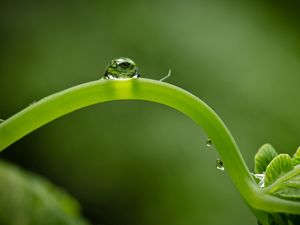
[[121, 68], [220, 164], [209, 142]]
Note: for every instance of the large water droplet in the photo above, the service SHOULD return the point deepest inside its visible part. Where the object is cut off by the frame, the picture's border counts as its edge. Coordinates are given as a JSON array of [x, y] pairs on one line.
[[261, 178], [220, 164], [121, 68], [209, 142]]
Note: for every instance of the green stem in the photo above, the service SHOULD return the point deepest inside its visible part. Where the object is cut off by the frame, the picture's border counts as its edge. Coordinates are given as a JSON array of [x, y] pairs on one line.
[[94, 92]]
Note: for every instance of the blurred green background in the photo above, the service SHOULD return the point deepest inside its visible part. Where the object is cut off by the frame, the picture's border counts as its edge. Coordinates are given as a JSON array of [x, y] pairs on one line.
[[133, 162]]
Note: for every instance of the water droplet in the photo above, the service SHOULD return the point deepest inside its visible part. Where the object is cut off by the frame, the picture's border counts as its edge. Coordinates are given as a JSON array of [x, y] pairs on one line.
[[209, 142], [121, 68], [220, 164], [261, 178]]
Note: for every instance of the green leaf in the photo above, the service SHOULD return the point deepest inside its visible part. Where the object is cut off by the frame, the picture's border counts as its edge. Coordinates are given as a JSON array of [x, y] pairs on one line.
[[296, 158], [278, 167], [263, 157], [27, 199], [284, 219], [288, 186]]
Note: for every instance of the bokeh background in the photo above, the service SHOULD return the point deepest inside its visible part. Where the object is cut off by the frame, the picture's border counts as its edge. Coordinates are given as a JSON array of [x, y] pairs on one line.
[[133, 162]]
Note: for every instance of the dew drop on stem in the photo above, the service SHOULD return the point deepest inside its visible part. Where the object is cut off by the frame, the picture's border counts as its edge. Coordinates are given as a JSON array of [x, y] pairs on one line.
[[220, 164], [209, 142], [121, 68]]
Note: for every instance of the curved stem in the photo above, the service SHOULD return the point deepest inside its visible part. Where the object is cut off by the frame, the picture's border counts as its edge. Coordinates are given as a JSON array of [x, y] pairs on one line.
[[99, 91]]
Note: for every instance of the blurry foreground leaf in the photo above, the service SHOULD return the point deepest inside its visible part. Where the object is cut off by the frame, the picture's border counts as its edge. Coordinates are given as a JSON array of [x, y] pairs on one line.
[[26, 199]]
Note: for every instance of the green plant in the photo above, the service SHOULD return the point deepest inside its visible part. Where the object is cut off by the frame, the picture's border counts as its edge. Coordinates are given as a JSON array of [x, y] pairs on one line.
[[29, 199], [273, 198]]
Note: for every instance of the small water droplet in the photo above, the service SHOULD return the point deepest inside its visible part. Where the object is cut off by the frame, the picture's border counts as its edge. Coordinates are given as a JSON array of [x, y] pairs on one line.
[[220, 164], [209, 142], [121, 68], [261, 178]]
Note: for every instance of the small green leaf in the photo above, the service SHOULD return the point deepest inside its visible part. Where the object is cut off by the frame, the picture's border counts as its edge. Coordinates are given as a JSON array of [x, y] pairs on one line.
[[284, 173], [290, 189], [278, 167], [263, 157], [29, 199], [288, 186], [296, 158]]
